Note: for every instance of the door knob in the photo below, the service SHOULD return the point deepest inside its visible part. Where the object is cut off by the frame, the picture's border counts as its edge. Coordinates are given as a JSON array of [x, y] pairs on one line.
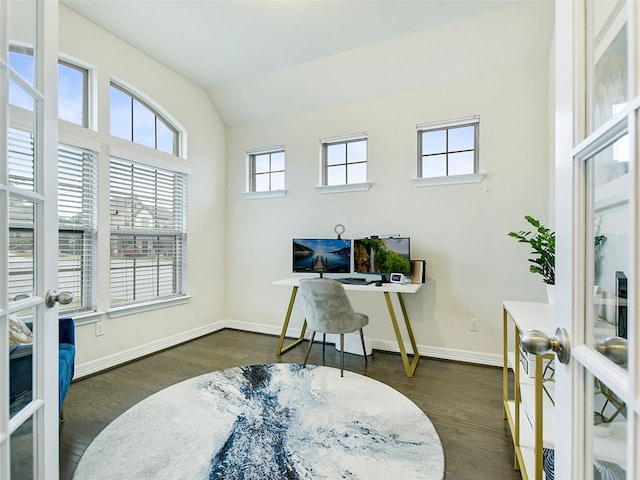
[[63, 298], [537, 343], [614, 348]]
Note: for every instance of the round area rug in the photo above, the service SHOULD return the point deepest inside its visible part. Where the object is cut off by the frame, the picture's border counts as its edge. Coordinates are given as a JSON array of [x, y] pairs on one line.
[[273, 421]]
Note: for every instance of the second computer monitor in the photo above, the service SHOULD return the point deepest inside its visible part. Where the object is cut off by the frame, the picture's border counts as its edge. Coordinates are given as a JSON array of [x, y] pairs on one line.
[[382, 256]]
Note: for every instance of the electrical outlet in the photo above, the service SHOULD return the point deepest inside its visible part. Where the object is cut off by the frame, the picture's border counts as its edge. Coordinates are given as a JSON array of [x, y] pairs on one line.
[[99, 329], [473, 325]]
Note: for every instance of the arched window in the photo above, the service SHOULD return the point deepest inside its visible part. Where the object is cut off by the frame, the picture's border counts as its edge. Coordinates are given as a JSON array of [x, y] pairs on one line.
[[135, 120]]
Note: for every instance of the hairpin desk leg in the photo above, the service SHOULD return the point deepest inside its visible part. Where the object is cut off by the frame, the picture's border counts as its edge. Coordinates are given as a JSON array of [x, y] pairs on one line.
[[409, 368], [280, 350]]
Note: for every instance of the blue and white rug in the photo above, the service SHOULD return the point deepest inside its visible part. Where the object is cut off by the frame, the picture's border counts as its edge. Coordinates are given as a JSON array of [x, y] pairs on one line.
[[273, 421]]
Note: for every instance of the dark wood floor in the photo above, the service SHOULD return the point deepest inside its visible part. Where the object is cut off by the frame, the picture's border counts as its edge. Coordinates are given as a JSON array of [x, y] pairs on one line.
[[463, 401]]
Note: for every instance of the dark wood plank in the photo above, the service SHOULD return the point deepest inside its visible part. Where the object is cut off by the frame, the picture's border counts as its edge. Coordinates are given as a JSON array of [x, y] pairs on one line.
[[463, 401]]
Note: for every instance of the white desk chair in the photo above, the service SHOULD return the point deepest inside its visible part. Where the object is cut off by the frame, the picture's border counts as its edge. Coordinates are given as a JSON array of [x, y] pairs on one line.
[[328, 310]]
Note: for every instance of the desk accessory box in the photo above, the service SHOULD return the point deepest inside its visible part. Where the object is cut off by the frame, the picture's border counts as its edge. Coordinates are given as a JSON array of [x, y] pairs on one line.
[[418, 271]]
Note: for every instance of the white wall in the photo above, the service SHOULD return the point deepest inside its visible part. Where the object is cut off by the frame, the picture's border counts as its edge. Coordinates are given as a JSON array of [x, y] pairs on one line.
[[237, 247], [190, 107], [461, 230]]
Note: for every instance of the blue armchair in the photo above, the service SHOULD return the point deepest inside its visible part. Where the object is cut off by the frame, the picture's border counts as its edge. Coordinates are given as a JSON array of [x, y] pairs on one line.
[[20, 390]]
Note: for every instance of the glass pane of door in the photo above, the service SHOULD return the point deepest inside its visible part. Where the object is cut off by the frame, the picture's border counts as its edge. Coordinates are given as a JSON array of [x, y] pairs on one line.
[[607, 431], [21, 360], [22, 451], [23, 36], [607, 61], [608, 241]]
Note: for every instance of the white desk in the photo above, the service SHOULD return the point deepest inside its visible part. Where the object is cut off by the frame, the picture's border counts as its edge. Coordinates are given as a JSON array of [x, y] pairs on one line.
[[386, 289]]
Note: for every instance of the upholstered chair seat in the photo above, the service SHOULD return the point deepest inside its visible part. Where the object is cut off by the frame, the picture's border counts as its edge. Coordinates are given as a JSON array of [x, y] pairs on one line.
[[327, 309], [21, 362]]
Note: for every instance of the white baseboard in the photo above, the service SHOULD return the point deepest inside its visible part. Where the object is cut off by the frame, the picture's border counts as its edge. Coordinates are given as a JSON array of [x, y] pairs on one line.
[[494, 360], [95, 366]]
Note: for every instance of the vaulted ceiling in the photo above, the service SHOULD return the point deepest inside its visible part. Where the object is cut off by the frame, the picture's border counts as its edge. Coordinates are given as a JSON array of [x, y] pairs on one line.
[[259, 59]]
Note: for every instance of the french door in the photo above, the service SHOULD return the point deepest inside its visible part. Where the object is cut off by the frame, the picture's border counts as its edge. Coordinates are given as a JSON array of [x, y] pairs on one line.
[[597, 415], [28, 218]]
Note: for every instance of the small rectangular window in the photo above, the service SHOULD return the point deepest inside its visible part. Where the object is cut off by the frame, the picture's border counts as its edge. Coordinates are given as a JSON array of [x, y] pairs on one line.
[[344, 160], [448, 148], [266, 170], [73, 82]]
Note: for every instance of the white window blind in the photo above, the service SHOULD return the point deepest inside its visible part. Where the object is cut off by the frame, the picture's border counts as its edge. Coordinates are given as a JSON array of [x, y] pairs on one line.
[[21, 174], [77, 218], [148, 232]]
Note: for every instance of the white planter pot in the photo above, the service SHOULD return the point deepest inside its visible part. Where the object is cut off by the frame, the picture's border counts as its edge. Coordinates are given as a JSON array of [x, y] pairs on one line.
[[551, 294]]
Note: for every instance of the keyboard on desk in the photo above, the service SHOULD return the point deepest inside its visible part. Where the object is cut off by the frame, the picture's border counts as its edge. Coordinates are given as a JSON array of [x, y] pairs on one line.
[[354, 281]]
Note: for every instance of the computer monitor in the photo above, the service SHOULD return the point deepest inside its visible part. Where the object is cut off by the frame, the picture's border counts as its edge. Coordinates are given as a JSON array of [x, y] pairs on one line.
[[321, 255], [621, 304], [382, 256]]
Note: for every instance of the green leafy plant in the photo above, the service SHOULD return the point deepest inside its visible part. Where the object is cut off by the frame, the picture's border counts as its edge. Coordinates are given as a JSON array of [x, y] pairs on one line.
[[543, 244]]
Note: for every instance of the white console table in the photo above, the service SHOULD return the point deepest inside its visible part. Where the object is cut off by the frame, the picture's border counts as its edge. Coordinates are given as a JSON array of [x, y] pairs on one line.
[[387, 289], [528, 410]]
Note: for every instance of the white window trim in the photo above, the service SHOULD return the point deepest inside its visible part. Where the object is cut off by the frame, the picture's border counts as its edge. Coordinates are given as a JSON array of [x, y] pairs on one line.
[[351, 187], [266, 194], [152, 161], [345, 138], [450, 180], [80, 142], [448, 123], [116, 312]]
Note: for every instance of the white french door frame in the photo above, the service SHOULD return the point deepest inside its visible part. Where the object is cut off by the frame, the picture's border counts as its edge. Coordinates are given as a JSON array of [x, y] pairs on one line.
[[43, 410], [573, 407]]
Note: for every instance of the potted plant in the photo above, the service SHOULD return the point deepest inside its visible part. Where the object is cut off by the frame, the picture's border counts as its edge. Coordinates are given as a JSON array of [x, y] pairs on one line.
[[543, 244]]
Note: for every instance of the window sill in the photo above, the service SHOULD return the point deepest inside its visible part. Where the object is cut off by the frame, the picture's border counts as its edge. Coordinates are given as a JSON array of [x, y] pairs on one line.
[[452, 180], [352, 187], [125, 310], [83, 318], [270, 194]]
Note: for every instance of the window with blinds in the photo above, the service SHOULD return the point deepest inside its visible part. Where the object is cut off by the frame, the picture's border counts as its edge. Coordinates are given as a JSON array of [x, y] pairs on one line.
[[77, 226], [148, 233], [77, 217]]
